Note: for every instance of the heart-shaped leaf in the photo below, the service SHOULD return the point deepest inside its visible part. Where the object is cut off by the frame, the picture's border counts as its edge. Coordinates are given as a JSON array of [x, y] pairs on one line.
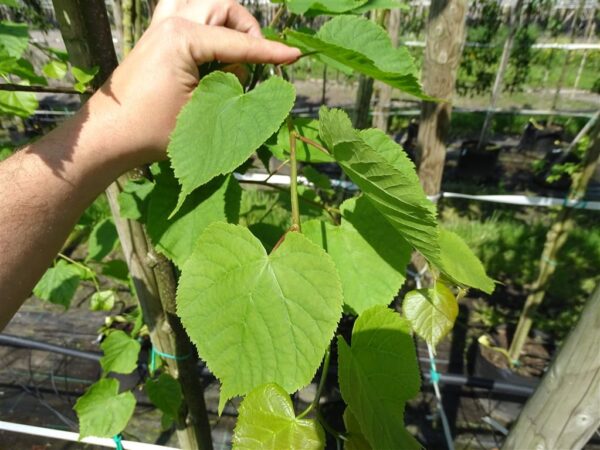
[[221, 126], [102, 411], [257, 318], [431, 312], [267, 421], [120, 353]]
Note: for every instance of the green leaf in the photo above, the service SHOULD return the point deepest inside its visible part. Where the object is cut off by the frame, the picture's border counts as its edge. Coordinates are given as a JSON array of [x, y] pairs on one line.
[[258, 318], [370, 256], [431, 312], [103, 239], [21, 104], [320, 180], [323, 6], [9, 3], [165, 393], [306, 127], [267, 421], [14, 38], [392, 152], [120, 353], [22, 69], [355, 438], [116, 269], [378, 373], [133, 199], [103, 300], [5, 151], [102, 411], [217, 201], [461, 265], [83, 77], [221, 126], [59, 283], [381, 4], [363, 46], [393, 190], [55, 69]]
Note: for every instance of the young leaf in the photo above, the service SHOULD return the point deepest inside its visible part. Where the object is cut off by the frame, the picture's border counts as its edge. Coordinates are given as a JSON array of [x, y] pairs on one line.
[[378, 373], [14, 38], [9, 3], [21, 104], [116, 269], [364, 46], [217, 201], [103, 300], [431, 312], [165, 393], [102, 411], [83, 77], [228, 124], [120, 353], [371, 261], [461, 265], [133, 202], [55, 69], [103, 239], [257, 318], [59, 283], [267, 421], [22, 69], [393, 190]]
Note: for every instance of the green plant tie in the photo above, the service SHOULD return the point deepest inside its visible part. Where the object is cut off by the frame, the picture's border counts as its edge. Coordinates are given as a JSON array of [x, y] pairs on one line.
[[155, 352], [118, 443], [549, 261]]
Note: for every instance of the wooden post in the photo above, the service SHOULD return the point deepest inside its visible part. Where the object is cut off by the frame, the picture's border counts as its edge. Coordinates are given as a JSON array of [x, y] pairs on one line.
[[445, 38], [86, 32], [126, 18], [362, 107], [590, 30], [555, 239], [381, 113], [564, 411], [512, 30]]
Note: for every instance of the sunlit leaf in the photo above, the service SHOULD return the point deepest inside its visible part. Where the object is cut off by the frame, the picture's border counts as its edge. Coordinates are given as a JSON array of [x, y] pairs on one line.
[[267, 421], [103, 239], [257, 318], [14, 38], [59, 283], [103, 300], [120, 353]]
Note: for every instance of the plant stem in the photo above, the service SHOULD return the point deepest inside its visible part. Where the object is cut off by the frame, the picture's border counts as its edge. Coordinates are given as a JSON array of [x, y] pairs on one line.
[[44, 89], [276, 170], [277, 17], [312, 143], [83, 267], [294, 176], [315, 403]]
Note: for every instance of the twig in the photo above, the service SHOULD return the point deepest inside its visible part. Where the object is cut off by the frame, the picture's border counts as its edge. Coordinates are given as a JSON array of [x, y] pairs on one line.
[[312, 143], [276, 170], [293, 175], [315, 403], [44, 89]]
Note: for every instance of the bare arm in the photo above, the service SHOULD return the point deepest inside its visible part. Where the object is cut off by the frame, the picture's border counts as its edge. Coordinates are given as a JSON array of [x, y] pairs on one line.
[[45, 187]]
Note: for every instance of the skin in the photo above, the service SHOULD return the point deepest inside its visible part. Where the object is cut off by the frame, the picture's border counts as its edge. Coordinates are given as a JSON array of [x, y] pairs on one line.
[[47, 185]]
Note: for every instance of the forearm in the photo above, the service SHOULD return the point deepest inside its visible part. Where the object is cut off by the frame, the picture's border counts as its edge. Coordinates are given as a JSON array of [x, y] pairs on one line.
[[45, 187]]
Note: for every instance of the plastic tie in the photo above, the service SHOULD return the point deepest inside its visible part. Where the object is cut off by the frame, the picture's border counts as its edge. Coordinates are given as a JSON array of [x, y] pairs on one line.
[[155, 352], [434, 375], [118, 443]]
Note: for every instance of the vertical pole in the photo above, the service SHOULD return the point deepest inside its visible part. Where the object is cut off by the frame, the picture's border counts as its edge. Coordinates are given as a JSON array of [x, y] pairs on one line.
[[443, 48], [86, 33], [589, 32], [555, 239], [564, 411], [512, 30]]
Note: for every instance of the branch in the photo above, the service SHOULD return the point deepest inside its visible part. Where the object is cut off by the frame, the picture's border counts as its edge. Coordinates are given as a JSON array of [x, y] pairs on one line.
[[43, 89]]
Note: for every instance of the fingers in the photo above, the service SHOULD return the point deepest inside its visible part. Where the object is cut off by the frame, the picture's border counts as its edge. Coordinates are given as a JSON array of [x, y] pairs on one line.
[[209, 43], [240, 19]]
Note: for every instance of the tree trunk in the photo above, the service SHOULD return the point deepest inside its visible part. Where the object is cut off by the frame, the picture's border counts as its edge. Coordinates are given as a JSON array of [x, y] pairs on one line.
[[362, 106], [445, 38], [556, 237], [496, 90], [86, 32], [564, 411], [381, 114]]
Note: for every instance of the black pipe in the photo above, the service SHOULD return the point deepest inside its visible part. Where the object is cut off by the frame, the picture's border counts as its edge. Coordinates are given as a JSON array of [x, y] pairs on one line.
[[20, 342]]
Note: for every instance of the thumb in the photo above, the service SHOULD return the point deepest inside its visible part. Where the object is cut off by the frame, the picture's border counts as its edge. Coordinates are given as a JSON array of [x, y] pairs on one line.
[[210, 43]]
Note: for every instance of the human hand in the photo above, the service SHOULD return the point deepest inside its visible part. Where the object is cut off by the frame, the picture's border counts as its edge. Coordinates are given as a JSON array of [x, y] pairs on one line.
[[138, 105]]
